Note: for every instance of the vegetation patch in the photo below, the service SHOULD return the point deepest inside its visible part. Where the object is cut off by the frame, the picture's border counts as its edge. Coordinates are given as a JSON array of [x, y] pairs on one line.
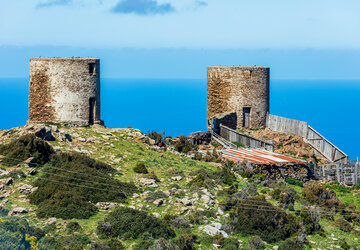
[[74, 241], [290, 244], [156, 136], [207, 179], [140, 168], [25, 147], [292, 181], [13, 233], [286, 196], [186, 241], [343, 225], [73, 226], [311, 220], [151, 197], [72, 182], [318, 194], [183, 145], [128, 223], [271, 223]]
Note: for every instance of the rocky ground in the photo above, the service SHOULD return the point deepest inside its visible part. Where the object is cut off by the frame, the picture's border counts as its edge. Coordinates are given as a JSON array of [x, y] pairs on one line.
[[164, 192]]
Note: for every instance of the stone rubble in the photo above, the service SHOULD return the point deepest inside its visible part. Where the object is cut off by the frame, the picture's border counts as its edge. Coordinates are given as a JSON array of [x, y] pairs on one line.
[[17, 211], [26, 188], [213, 229]]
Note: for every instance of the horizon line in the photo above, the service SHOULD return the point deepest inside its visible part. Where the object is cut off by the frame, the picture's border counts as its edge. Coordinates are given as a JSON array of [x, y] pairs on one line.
[[197, 78]]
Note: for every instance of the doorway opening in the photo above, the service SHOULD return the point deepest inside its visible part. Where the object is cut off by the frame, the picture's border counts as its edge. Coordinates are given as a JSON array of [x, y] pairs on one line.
[[246, 117], [91, 110]]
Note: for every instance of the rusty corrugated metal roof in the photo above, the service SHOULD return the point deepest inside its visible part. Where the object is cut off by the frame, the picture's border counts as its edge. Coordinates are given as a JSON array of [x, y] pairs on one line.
[[257, 156]]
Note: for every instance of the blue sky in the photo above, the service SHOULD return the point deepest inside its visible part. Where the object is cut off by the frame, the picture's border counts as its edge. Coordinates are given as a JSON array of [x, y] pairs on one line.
[[302, 39]]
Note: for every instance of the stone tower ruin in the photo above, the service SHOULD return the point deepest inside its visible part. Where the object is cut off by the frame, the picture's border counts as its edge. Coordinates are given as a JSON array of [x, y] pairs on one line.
[[64, 90], [240, 90]]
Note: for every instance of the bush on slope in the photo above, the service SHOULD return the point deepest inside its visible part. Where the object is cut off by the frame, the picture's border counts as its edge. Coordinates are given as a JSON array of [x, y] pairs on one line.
[[71, 183]]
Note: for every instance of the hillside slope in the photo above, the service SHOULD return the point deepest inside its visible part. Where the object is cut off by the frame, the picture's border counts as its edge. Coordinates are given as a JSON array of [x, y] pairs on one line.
[[185, 203]]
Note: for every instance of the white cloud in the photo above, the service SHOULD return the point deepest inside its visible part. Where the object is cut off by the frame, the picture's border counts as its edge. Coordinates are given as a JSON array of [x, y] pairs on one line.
[[221, 24]]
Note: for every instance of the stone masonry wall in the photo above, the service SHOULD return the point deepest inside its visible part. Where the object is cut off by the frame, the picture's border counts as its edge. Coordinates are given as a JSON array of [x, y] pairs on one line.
[[228, 120], [64, 90], [230, 89]]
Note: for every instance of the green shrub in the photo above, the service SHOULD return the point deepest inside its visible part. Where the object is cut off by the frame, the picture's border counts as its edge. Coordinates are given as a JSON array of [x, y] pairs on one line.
[[199, 217], [290, 244], [228, 204], [257, 178], [212, 178], [351, 215], [198, 181], [71, 181], [225, 175], [112, 244], [256, 242], [343, 225], [317, 194], [183, 145], [140, 168], [99, 245], [265, 220], [74, 241], [66, 205], [157, 137], [49, 228], [73, 226], [142, 245], [13, 231], [153, 176], [25, 147], [212, 157], [344, 245], [339, 188], [285, 195], [205, 240], [218, 239], [247, 173], [292, 181], [230, 244], [162, 244], [129, 223], [186, 242], [115, 244], [310, 219], [180, 223]]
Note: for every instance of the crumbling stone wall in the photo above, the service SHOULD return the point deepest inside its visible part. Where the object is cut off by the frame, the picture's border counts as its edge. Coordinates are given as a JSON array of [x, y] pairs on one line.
[[231, 89], [64, 90], [228, 120]]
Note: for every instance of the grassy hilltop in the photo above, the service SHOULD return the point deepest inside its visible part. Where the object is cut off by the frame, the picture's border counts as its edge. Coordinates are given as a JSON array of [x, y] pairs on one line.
[[100, 188]]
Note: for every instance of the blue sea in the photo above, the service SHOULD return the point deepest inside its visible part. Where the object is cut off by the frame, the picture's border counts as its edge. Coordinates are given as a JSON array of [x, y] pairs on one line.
[[178, 106]]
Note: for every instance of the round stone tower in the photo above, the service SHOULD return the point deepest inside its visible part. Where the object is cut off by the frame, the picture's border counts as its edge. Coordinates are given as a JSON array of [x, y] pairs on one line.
[[64, 90], [242, 90]]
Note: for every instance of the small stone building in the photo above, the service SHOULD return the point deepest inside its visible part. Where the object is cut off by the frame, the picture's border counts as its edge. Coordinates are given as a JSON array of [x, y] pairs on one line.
[[64, 90], [243, 90]]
